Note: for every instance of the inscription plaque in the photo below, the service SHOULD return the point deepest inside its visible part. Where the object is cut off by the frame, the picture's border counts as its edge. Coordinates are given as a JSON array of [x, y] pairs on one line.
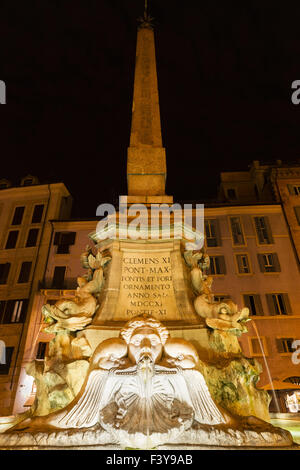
[[146, 286]]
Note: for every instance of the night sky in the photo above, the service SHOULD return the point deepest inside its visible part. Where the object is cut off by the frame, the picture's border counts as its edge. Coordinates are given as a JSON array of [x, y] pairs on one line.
[[224, 70]]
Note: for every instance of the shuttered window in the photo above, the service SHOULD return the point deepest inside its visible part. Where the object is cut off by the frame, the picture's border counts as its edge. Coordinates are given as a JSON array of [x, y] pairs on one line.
[[217, 265], [237, 231], [243, 263], [212, 232], [279, 304], [284, 345], [268, 262], [13, 311], [263, 230], [258, 346], [253, 302], [294, 190]]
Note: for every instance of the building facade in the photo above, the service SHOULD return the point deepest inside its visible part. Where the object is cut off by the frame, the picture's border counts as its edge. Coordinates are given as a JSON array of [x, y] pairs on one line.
[[25, 237], [253, 263]]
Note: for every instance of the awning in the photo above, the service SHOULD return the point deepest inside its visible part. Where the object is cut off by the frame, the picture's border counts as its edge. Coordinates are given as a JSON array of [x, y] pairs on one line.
[[279, 385]]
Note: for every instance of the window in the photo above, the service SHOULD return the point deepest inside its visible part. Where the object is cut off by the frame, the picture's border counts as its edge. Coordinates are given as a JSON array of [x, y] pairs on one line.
[[212, 232], [4, 271], [63, 240], [297, 213], [278, 304], [12, 239], [25, 272], [294, 190], [221, 298], [243, 263], [18, 215], [293, 380], [253, 302], [258, 346], [32, 237], [231, 194], [59, 277], [28, 182], [268, 262], [4, 368], [263, 230], [41, 351], [217, 265], [37, 214], [284, 345], [13, 311], [237, 231]]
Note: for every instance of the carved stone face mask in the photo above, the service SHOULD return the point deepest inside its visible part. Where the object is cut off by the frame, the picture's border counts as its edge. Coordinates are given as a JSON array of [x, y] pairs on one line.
[[145, 344]]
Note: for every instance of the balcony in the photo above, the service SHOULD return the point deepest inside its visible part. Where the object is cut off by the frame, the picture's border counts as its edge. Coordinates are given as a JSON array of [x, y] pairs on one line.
[[57, 289]]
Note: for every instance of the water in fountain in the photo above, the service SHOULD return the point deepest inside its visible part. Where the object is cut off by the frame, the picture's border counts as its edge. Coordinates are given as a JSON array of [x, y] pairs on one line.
[[266, 365]]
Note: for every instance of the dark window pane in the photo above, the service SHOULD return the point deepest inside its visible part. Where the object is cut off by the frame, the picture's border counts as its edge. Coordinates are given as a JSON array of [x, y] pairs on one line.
[[4, 271], [231, 193], [28, 182], [2, 309], [12, 239], [18, 216], [32, 237], [15, 311], [59, 277], [41, 350], [37, 214], [4, 368], [25, 272], [63, 240]]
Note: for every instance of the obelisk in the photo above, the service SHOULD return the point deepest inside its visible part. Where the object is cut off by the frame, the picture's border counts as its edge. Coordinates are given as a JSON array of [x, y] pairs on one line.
[[146, 162]]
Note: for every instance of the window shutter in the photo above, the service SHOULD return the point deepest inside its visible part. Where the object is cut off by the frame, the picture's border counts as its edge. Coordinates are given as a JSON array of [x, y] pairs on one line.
[[247, 302], [258, 231], [271, 305], [218, 232], [261, 263], [268, 227], [276, 262], [258, 304], [297, 213], [287, 304], [279, 345]]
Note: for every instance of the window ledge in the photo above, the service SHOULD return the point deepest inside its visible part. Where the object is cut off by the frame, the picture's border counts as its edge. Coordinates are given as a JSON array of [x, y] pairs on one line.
[[276, 317]]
